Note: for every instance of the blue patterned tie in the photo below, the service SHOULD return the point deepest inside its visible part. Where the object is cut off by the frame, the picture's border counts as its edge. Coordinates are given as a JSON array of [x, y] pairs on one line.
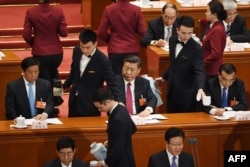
[[31, 100], [173, 162], [224, 98]]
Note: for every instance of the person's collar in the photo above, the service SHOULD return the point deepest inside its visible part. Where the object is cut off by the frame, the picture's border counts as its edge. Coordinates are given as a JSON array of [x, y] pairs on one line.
[[63, 165], [132, 82], [226, 23], [114, 106], [27, 82], [170, 155], [92, 53]]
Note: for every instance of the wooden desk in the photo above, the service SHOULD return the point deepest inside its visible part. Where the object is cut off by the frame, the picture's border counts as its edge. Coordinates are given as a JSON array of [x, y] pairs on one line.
[[159, 62], [28, 147], [9, 70]]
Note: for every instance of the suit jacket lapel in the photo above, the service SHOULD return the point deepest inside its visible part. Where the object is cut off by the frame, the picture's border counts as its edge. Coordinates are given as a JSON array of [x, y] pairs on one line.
[[24, 94]]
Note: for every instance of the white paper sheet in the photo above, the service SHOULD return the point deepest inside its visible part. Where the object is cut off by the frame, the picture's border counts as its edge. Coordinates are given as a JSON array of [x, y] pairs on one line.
[[49, 121]]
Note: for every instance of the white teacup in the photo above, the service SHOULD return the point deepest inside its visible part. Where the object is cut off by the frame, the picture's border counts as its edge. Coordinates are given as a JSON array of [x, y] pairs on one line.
[[206, 100], [19, 121], [93, 163]]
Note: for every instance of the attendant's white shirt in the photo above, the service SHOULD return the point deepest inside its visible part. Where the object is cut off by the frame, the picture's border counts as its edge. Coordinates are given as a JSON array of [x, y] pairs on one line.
[[84, 62], [178, 49]]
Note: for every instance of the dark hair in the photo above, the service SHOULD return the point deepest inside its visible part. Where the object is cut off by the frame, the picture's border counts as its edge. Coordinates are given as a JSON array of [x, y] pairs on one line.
[[217, 8], [186, 21], [101, 95], [174, 132], [169, 5], [228, 68], [65, 142], [29, 61], [133, 59], [87, 35]]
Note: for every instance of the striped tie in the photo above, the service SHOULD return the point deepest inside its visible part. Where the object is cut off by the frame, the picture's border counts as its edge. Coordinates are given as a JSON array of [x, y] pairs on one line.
[[228, 29]]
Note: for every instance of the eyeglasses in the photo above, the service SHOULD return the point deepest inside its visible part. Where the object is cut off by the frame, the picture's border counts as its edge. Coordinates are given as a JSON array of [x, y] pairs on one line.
[[66, 154], [176, 144], [232, 14], [224, 80], [129, 69], [169, 17]]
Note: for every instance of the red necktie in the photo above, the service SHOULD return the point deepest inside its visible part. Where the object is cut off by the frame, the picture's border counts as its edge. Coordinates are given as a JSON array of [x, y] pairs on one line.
[[129, 103]]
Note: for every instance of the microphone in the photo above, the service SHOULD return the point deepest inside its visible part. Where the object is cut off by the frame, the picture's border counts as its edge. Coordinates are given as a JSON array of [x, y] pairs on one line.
[[194, 141]]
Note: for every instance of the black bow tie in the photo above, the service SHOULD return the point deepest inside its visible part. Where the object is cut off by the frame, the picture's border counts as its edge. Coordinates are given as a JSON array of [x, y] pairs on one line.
[[182, 43], [89, 56]]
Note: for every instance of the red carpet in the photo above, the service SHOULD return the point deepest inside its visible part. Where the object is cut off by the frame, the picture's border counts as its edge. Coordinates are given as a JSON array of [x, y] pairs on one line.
[[13, 17]]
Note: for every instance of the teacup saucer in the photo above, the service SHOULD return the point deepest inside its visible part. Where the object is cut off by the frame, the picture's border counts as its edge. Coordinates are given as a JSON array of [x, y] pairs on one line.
[[20, 127], [222, 117]]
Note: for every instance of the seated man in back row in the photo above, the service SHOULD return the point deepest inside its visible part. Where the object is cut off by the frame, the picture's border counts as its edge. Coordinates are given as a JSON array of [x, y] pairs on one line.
[[29, 95], [143, 100], [173, 154], [227, 92], [65, 149], [159, 30]]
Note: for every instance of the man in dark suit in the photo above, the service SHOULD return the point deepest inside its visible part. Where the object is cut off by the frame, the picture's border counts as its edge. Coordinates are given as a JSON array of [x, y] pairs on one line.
[[18, 94], [159, 30], [185, 75], [238, 31], [236, 99], [144, 100], [173, 153], [65, 150], [89, 69], [120, 130]]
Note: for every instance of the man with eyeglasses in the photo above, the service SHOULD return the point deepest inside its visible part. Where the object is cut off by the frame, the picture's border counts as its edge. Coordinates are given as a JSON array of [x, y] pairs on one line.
[[159, 30], [65, 150], [173, 155], [235, 25], [235, 94]]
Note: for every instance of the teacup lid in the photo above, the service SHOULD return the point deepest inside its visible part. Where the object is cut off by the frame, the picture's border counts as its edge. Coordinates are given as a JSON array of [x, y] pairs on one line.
[[20, 117]]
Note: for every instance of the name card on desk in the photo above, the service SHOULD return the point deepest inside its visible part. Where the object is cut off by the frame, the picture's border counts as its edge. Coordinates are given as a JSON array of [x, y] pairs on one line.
[[1, 55], [36, 124], [242, 115]]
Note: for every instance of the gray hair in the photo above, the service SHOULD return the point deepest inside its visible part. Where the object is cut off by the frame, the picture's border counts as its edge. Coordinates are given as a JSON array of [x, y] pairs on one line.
[[229, 4]]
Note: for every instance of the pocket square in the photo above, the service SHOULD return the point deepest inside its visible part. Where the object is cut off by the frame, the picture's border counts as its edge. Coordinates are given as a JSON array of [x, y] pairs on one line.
[[184, 57], [91, 71]]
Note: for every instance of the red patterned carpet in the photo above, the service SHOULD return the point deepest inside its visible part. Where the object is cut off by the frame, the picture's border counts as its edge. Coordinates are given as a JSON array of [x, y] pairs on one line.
[[13, 17]]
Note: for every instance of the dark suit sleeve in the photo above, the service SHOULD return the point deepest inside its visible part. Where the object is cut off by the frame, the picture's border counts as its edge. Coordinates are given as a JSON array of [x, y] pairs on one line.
[[49, 109], [143, 89], [150, 35], [68, 82], [241, 97], [239, 31], [110, 78], [10, 104]]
